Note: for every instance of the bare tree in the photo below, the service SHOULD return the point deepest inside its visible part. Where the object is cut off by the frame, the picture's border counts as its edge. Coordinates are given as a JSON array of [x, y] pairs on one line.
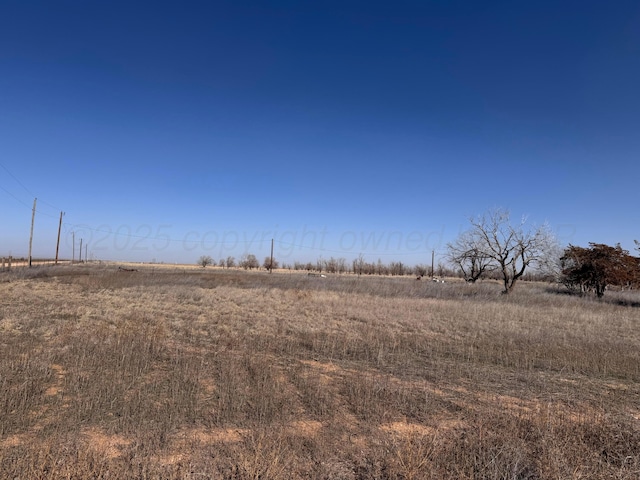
[[205, 260], [466, 253], [331, 265], [420, 270], [249, 261], [342, 265], [230, 262], [358, 265], [397, 268], [509, 249], [268, 265]]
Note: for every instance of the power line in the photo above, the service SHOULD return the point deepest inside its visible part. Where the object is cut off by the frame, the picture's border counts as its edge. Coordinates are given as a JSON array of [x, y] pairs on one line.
[[16, 179], [40, 212], [16, 198], [25, 189]]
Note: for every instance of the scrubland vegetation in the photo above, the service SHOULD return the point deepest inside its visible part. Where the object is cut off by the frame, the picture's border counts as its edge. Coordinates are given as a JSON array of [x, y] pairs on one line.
[[211, 373]]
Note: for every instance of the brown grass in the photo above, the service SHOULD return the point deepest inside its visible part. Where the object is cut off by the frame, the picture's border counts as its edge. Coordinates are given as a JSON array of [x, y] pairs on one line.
[[184, 373]]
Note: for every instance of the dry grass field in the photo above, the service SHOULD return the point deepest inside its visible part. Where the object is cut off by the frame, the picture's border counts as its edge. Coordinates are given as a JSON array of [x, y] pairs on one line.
[[208, 373]]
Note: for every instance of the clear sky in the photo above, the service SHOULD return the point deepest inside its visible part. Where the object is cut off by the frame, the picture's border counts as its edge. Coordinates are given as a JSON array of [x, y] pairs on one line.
[[169, 130]]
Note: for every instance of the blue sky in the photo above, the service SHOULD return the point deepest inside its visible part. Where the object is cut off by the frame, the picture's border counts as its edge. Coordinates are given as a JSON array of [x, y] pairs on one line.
[[169, 130]]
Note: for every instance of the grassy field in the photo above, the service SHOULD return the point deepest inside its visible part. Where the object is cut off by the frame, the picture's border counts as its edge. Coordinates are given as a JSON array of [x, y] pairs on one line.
[[206, 373]]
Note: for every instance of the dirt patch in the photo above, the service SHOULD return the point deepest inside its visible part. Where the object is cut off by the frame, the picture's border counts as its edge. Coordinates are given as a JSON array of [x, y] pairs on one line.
[[110, 445], [210, 436], [324, 367], [59, 373], [305, 428], [407, 429], [14, 441]]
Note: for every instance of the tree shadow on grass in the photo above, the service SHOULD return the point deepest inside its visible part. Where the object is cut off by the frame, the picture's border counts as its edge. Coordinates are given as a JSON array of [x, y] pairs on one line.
[[616, 299]]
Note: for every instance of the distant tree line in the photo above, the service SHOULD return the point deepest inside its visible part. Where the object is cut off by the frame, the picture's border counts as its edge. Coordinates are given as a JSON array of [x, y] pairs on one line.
[[331, 265], [493, 247], [359, 266]]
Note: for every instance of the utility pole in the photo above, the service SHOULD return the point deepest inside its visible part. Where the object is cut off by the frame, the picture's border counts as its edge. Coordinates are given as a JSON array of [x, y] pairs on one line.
[[433, 254], [85, 252], [80, 254], [33, 217], [58, 244], [73, 248], [271, 261]]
